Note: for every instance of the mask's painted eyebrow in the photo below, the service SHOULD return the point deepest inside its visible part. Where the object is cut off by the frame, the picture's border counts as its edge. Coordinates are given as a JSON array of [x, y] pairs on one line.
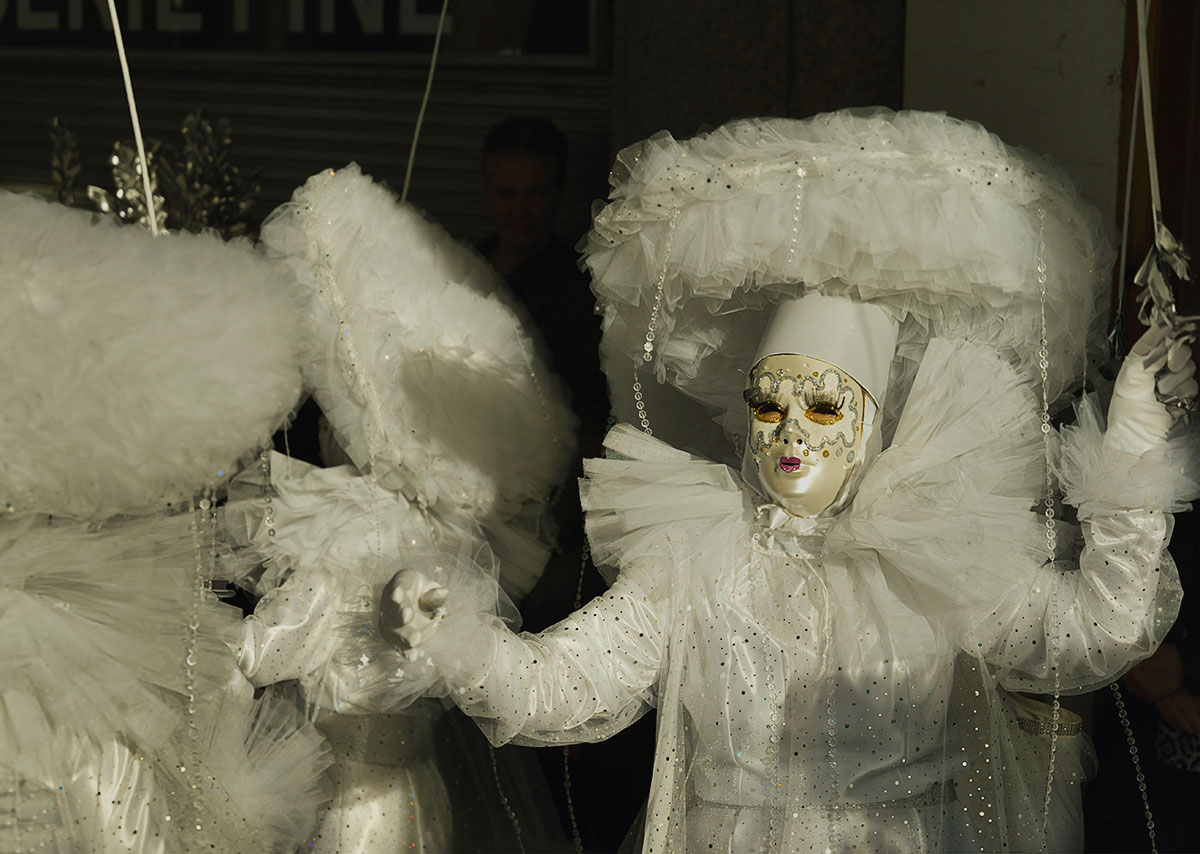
[[755, 396]]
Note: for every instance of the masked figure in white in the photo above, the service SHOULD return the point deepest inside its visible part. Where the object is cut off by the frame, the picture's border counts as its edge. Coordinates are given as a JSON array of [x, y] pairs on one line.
[[457, 433], [835, 612]]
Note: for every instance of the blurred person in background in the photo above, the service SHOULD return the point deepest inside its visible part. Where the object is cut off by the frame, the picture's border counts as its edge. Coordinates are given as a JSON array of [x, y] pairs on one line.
[[524, 172], [524, 162]]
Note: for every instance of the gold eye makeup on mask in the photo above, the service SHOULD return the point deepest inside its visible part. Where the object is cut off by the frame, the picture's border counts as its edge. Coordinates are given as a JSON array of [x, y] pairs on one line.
[[769, 411], [823, 413]]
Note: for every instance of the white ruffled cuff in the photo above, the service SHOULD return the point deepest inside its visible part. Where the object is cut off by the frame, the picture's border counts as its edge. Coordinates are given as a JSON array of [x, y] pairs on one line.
[[1098, 476]]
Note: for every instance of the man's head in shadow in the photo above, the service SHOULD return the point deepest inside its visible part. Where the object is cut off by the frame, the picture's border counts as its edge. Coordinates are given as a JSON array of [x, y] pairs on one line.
[[524, 170]]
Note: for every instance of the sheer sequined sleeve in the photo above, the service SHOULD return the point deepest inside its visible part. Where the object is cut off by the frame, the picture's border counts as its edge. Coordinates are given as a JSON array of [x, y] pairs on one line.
[[1078, 630], [289, 635], [584, 679]]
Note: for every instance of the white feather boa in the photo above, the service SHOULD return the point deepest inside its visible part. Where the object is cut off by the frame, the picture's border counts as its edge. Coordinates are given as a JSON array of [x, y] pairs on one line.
[[136, 369]]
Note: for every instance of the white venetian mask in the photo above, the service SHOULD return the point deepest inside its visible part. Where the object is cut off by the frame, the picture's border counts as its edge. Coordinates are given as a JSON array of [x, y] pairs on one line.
[[809, 423]]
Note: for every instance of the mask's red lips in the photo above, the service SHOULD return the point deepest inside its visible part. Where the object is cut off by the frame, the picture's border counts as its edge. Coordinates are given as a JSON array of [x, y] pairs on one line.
[[790, 464]]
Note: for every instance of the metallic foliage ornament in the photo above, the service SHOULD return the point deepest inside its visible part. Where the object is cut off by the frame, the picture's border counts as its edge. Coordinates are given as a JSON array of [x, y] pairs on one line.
[[202, 188], [128, 202], [195, 186], [65, 161]]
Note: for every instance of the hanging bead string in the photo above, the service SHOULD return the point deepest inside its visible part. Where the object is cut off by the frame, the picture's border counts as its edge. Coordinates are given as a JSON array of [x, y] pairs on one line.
[[652, 327], [1131, 742], [576, 837], [830, 727], [638, 401], [771, 753], [504, 802], [204, 549], [267, 492], [1048, 512], [361, 387], [797, 206], [1044, 366]]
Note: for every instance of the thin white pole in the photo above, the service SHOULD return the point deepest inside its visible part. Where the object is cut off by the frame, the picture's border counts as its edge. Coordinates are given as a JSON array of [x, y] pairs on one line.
[[133, 114], [412, 152]]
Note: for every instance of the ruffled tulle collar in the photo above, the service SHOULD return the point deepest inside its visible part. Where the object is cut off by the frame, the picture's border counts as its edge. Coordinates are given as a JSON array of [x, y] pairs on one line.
[[945, 511], [947, 507]]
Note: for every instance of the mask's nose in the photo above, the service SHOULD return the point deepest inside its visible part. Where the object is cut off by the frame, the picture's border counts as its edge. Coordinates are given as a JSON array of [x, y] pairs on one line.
[[791, 433]]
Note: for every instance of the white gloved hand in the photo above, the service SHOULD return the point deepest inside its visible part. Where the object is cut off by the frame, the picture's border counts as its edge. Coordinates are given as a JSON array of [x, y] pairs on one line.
[[1137, 420], [410, 609]]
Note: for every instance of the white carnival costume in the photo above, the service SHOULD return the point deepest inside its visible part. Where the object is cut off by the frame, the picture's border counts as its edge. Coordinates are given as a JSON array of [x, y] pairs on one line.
[[458, 434], [843, 681], [139, 373]]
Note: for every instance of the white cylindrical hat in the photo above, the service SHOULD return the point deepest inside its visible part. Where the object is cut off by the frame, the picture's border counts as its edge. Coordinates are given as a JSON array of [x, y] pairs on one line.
[[860, 338]]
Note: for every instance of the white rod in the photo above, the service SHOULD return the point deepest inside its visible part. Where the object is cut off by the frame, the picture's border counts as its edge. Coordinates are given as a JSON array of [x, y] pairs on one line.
[[133, 114], [1148, 114], [412, 152]]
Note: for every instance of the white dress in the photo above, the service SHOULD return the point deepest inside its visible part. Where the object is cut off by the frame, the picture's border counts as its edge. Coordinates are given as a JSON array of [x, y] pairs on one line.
[[843, 682]]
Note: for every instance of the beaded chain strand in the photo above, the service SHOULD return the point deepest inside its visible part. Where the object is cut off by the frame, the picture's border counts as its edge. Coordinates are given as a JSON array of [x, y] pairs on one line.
[[576, 837], [1131, 742], [652, 329], [1051, 534], [204, 546], [504, 802]]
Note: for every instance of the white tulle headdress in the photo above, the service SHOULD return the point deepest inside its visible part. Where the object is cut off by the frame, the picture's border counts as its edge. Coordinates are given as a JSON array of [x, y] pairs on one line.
[[932, 218], [416, 354]]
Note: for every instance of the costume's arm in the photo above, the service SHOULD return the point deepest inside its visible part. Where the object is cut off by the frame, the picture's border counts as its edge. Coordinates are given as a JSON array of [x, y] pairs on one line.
[[584, 679], [290, 634], [1078, 630]]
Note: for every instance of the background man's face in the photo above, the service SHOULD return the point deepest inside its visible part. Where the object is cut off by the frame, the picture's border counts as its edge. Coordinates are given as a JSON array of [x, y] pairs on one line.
[[523, 197]]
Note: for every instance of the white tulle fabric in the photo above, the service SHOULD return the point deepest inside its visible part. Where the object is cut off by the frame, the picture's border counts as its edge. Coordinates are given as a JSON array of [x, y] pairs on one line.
[[335, 539], [838, 682], [137, 372], [934, 218], [416, 355], [1098, 478]]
